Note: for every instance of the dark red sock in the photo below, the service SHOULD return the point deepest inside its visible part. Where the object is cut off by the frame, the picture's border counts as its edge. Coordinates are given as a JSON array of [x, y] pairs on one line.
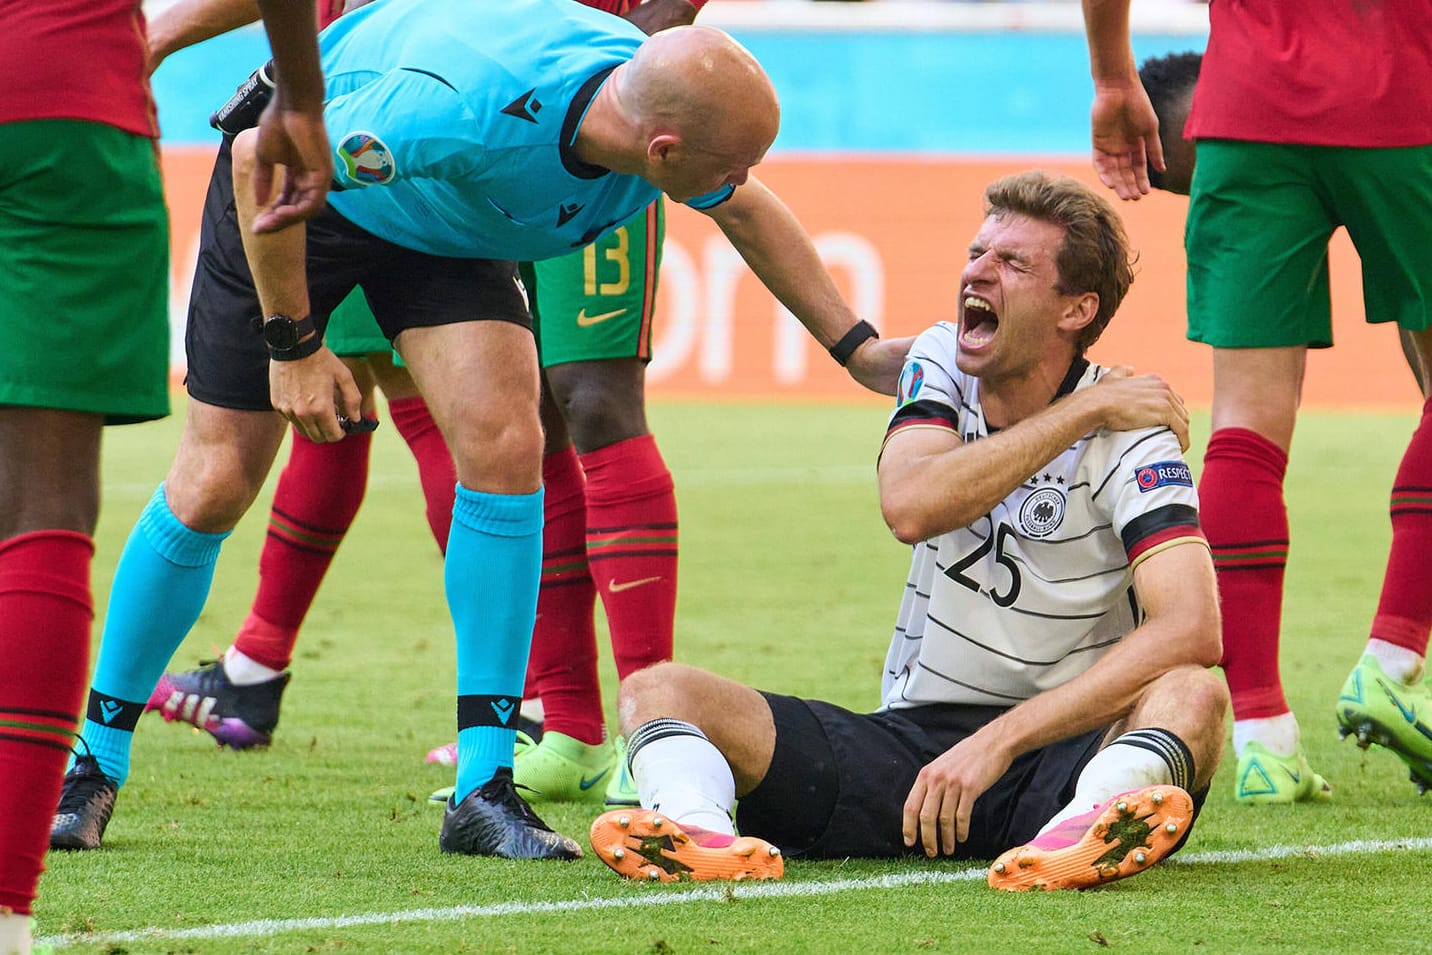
[[563, 663], [631, 544], [1404, 612], [1243, 515], [436, 471], [317, 497], [45, 616]]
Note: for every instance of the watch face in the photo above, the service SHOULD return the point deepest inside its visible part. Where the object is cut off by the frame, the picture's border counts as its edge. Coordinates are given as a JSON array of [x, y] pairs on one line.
[[280, 332]]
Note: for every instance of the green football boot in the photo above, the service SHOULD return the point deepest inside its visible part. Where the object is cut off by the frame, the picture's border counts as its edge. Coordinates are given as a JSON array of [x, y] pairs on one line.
[[560, 768], [1375, 708], [621, 790], [1265, 779]]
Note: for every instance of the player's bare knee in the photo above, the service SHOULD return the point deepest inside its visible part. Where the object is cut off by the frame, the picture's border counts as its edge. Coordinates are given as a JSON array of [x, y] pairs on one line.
[[1191, 702], [662, 690], [602, 402]]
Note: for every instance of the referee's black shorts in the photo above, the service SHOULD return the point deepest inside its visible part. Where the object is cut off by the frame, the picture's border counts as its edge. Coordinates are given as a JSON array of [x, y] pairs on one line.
[[838, 781], [227, 358]]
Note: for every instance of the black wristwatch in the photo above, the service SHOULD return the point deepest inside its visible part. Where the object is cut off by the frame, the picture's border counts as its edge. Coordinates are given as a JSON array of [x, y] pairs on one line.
[[290, 339]]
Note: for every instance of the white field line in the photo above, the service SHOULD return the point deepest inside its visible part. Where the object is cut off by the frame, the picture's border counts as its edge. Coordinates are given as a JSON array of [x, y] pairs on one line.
[[762, 890]]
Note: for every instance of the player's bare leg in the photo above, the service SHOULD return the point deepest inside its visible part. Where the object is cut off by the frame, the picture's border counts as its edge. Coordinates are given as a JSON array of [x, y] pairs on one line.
[[696, 740], [1132, 804]]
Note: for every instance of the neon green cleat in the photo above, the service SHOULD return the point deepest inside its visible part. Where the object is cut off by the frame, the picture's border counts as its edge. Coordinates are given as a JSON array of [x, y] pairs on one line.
[[37, 948], [621, 789], [1265, 778], [1378, 709], [560, 768]]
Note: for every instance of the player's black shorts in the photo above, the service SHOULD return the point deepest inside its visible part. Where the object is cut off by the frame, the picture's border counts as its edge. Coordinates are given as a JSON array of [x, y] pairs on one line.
[[838, 780], [228, 361]]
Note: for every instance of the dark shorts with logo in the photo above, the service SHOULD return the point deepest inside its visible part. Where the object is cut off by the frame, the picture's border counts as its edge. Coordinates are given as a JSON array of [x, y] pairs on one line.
[[228, 361], [838, 781]]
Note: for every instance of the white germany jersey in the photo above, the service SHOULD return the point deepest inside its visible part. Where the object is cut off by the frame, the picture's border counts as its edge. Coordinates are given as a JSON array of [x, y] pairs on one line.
[[1030, 595]]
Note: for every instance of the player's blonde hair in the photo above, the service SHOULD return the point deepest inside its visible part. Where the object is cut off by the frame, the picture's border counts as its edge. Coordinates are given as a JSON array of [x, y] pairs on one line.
[[1095, 256]]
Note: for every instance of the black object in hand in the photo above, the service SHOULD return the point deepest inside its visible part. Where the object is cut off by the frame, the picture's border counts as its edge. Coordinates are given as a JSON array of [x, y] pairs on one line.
[[361, 426]]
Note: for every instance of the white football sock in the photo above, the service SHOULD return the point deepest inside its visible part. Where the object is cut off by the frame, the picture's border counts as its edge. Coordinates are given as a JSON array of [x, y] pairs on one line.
[[1277, 734], [532, 709], [1400, 663], [1139, 758], [244, 670], [14, 933], [681, 774]]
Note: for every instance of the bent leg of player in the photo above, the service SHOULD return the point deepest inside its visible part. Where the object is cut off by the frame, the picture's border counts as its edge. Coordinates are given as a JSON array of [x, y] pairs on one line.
[[694, 739], [319, 491], [160, 586], [1122, 837], [1132, 804]]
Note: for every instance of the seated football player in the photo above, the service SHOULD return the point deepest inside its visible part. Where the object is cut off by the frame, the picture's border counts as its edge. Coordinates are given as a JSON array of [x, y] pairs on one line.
[[1047, 700]]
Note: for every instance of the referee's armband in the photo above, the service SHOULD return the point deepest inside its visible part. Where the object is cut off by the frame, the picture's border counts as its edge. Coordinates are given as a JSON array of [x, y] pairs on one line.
[[860, 333]]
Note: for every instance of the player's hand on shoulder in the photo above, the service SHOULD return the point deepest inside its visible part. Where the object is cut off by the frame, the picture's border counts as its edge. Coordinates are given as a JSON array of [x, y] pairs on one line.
[[1129, 402]]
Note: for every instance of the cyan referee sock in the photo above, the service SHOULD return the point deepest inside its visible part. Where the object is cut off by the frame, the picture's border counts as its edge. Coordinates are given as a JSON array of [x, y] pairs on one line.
[[1138, 758], [681, 773], [494, 563], [160, 586]]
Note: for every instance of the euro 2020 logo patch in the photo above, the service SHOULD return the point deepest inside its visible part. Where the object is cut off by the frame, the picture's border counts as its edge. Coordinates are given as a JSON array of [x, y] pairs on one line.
[[1163, 474], [367, 159], [1042, 512], [911, 378]]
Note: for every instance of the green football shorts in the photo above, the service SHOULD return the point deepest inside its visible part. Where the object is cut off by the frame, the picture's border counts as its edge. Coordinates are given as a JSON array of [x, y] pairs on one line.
[[1259, 220], [84, 271], [352, 330], [597, 302]]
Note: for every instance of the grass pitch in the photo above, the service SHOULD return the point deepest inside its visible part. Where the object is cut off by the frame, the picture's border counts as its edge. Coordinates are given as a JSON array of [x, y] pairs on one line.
[[325, 843]]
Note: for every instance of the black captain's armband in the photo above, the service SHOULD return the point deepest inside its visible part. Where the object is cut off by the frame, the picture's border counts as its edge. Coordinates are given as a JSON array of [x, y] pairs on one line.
[[248, 103]]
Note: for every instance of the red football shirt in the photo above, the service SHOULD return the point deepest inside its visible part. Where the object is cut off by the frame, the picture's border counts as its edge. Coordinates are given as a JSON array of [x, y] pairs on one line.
[[1316, 72], [75, 59]]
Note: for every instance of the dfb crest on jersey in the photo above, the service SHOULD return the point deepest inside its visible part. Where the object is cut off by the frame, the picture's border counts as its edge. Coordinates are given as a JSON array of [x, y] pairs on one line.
[[367, 159], [1042, 512]]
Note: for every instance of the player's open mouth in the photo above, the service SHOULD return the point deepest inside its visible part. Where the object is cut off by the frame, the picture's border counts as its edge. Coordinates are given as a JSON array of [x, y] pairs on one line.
[[980, 322]]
